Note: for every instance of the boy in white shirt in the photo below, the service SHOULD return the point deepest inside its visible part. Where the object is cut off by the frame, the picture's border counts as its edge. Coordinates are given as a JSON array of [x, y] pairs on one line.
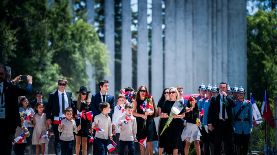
[[119, 111], [67, 127], [103, 126], [128, 131]]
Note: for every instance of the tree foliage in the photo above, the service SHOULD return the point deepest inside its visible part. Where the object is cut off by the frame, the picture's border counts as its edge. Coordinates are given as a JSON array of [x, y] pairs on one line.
[[41, 39], [262, 52], [262, 62]]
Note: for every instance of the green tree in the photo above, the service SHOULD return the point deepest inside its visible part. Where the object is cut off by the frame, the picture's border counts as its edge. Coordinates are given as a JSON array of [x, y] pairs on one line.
[[262, 62], [42, 40]]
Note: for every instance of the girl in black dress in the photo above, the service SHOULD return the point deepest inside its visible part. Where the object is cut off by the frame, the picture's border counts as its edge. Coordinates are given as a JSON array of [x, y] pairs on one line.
[[169, 139], [84, 120], [145, 120]]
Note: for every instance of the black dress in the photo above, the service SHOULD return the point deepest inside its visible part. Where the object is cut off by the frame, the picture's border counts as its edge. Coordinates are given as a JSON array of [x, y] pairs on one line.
[[85, 123], [171, 135], [146, 128]]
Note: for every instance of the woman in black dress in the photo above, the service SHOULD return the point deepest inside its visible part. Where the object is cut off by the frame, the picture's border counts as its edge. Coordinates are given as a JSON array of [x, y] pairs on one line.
[[169, 139], [162, 100], [83, 121], [145, 120]]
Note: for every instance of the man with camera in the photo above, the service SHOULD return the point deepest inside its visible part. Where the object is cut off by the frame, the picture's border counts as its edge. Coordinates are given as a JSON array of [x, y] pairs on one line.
[[9, 114]]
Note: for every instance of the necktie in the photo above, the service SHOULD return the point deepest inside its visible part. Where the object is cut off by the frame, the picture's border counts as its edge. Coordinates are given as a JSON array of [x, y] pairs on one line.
[[223, 108], [104, 98], [1, 95], [63, 102]]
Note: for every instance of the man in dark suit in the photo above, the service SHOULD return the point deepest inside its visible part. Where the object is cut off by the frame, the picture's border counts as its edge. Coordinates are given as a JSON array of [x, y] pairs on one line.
[[58, 101], [9, 114], [38, 99], [220, 120], [100, 97]]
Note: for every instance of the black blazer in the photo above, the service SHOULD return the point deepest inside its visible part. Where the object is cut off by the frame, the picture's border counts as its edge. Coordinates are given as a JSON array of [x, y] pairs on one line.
[[53, 106], [213, 115], [96, 100], [12, 92], [34, 102]]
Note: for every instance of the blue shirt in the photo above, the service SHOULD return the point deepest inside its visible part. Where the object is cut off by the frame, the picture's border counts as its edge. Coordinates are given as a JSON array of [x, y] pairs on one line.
[[204, 105], [243, 123]]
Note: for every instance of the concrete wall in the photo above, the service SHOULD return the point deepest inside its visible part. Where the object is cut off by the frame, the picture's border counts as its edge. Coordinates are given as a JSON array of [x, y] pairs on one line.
[[192, 42]]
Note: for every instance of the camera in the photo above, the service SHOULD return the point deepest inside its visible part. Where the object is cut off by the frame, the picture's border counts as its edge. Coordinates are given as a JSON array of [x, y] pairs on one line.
[[23, 78]]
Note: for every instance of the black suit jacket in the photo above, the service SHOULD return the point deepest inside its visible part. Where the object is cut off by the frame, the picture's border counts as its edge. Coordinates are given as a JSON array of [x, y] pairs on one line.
[[53, 106], [34, 102], [213, 115], [96, 100], [12, 92]]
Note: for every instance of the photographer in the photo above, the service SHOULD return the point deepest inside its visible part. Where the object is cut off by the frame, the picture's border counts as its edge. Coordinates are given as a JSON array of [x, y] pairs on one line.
[[9, 113]]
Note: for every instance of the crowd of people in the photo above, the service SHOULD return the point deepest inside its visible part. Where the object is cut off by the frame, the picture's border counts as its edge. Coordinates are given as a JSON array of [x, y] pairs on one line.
[[217, 120]]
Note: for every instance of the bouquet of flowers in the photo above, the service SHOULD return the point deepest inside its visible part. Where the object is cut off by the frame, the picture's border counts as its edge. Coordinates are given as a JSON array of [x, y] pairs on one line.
[[176, 109], [128, 95], [147, 105]]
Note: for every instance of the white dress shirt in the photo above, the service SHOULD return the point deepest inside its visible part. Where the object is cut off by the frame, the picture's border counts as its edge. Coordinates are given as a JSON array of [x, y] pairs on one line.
[[60, 103]]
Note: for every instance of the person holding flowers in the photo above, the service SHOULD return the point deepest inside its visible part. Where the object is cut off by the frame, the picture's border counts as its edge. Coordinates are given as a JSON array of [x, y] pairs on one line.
[[191, 132], [83, 121], [171, 124], [144, 111]]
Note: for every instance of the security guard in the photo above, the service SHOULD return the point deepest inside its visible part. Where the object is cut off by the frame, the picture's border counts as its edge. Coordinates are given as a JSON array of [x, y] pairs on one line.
[[214, 91], [242, 124], [235, 91], [206, 137], [202, 94]]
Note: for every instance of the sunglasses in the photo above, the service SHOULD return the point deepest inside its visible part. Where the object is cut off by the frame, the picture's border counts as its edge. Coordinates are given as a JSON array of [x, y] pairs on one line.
[[84, 93], [62, 84], [172, 92], [142, 90], [166, 92]]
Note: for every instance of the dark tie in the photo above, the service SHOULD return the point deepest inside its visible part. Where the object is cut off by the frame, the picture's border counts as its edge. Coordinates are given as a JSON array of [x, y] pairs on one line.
[[62, 102], [223, 108], [1, 94], [104, 98]]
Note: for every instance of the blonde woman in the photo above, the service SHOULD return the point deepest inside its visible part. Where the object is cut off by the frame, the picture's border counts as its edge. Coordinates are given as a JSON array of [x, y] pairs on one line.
[[169, 138]]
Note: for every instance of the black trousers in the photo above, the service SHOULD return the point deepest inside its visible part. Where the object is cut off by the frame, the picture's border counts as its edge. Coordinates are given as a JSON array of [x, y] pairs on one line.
[[67, 147], [131, 147], [57, 143], [6, 140], [223, 135], [241, 143], [19, 149]]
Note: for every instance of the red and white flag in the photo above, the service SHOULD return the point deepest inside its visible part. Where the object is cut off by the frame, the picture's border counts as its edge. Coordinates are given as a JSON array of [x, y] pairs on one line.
[[111, 147], [257, 117], [266, 112], [57, 120], [143, 142]]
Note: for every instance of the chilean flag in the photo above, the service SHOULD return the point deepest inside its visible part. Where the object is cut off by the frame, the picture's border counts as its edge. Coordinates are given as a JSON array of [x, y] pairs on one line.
[[87, 115], [266, 112], [143, 142], [257, 118], [98, 129], [57, 120], [112, 146]]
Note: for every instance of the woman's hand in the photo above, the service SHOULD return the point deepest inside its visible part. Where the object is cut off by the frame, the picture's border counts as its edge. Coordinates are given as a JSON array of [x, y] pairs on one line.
[[79, 128], [144, 116]]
